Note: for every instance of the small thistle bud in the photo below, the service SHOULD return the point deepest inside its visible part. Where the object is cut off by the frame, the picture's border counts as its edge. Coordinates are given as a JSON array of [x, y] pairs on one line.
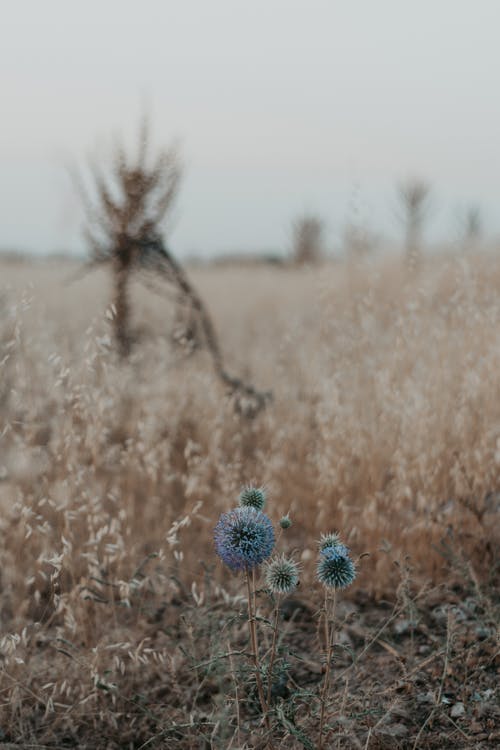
[[252, 497], [331, 539], [285, 522], [244, 538], [335, 568], [282, 575]]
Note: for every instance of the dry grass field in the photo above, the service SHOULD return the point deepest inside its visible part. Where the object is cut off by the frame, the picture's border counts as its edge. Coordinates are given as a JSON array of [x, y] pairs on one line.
[[116, 616]]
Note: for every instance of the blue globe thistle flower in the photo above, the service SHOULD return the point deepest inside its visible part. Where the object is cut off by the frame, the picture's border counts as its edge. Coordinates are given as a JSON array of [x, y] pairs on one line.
[[332, 539], [244, 538], [335, 568], [252, 497], [285, 522], [282, 575], [338, 549]]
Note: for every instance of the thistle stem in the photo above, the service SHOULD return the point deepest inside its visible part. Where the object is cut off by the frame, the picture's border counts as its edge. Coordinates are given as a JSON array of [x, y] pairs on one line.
[[254, 597], [273, 650], [255, 652], [330, 604]]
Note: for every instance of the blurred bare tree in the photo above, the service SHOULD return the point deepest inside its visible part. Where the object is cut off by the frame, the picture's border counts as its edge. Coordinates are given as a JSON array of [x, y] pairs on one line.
[[125, 216], [359, 241], [472, 226], [413, 196], [124, 229], [307, 239]]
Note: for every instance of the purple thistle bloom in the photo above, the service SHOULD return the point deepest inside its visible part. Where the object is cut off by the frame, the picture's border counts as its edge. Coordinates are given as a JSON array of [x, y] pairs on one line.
[[244, 538]]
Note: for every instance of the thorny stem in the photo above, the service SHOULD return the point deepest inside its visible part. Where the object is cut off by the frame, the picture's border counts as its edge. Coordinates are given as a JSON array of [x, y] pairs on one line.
[[330, 603], [273, 650], [255, 653]]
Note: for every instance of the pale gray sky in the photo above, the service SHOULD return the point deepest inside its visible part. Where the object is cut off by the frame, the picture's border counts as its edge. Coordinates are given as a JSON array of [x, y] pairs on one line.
[[281, 106]]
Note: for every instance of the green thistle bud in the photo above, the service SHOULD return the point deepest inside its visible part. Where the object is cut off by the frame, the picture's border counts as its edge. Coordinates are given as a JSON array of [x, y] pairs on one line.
[[335, 568], [332, 539], [281, 575], [252, 497], [285, 522]]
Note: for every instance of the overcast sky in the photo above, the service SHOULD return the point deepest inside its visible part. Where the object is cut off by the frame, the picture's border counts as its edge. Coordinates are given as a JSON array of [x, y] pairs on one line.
[[280, 106]]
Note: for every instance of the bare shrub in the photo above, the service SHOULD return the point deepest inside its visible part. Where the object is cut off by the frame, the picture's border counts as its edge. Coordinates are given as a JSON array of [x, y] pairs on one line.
[[472, 227], [307, 240]]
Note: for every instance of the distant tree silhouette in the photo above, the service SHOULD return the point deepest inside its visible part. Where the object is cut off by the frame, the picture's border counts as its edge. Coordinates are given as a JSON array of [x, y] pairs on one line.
[[473, 225], [359, 241], [307, 236], [414, 199]]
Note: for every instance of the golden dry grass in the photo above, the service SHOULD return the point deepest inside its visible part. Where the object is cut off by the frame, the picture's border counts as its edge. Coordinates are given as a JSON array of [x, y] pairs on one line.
[[385, 424]]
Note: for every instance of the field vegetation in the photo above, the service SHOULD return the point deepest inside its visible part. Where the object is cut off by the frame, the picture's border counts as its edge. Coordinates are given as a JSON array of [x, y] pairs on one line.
[[120, 628]]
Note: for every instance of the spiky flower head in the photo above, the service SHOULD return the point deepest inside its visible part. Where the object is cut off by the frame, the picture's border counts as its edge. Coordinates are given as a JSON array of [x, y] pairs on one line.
[[282, 575], [252, 497], [244, 538], [285, 522], [332, 539], [335, 568]]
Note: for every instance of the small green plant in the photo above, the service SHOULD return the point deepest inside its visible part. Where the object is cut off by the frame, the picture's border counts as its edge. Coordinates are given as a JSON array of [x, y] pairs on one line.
[[335, 570], [245, 540]]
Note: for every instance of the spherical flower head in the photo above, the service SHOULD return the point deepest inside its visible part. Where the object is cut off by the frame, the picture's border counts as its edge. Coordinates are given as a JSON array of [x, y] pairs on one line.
[[282, 575], [335, 568], [244, 538], [252, 497], [285, 522], [332, 539]]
